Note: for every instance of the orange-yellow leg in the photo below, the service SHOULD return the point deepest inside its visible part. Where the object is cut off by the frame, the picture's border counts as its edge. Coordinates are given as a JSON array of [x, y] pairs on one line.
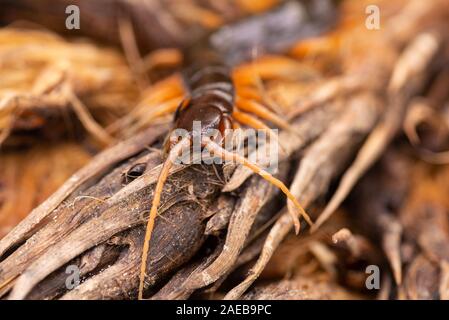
[[255, 7], [248, 93], [197, 15], [164, 90], [162, 109], [265, 68], [163, 175], [328, 44], [160, 96], [261, 111], [162, 99], [250, 121], [258, 94], [230, 156], [236, 125], [253, 74], [165, 57]]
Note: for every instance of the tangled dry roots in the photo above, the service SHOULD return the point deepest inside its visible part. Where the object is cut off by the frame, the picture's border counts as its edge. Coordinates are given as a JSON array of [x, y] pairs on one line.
[[42, 74]]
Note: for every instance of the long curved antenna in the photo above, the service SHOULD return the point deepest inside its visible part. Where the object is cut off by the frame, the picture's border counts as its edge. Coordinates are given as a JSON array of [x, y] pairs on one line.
[[163, 175], [230, 156]]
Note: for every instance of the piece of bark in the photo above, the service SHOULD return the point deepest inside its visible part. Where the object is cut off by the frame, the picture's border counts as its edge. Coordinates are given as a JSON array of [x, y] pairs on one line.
[[239, 227], [220, 219], [175, 289], [421, 282]]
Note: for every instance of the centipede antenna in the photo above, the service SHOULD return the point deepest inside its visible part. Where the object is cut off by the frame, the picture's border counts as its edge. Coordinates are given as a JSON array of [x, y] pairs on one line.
[[163, 175], [230, 156], [160, 110]]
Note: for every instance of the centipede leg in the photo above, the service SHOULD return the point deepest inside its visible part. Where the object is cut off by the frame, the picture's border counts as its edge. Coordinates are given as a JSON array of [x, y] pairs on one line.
[[165, 89], [160, 110], [230, 156], [156, 97], [317, 45], [163, 175], [261, 111], [265, 68], [250, 121], [249, 78], [257, 93], [165, 57], [140, 119], [248, 92]]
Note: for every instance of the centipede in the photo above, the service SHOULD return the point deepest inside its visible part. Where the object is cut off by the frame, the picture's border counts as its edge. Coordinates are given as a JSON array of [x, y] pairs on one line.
[[213, 102], [219, 97]]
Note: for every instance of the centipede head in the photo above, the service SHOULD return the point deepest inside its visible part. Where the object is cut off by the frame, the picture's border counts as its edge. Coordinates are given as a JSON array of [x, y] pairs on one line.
[[199, 117]]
